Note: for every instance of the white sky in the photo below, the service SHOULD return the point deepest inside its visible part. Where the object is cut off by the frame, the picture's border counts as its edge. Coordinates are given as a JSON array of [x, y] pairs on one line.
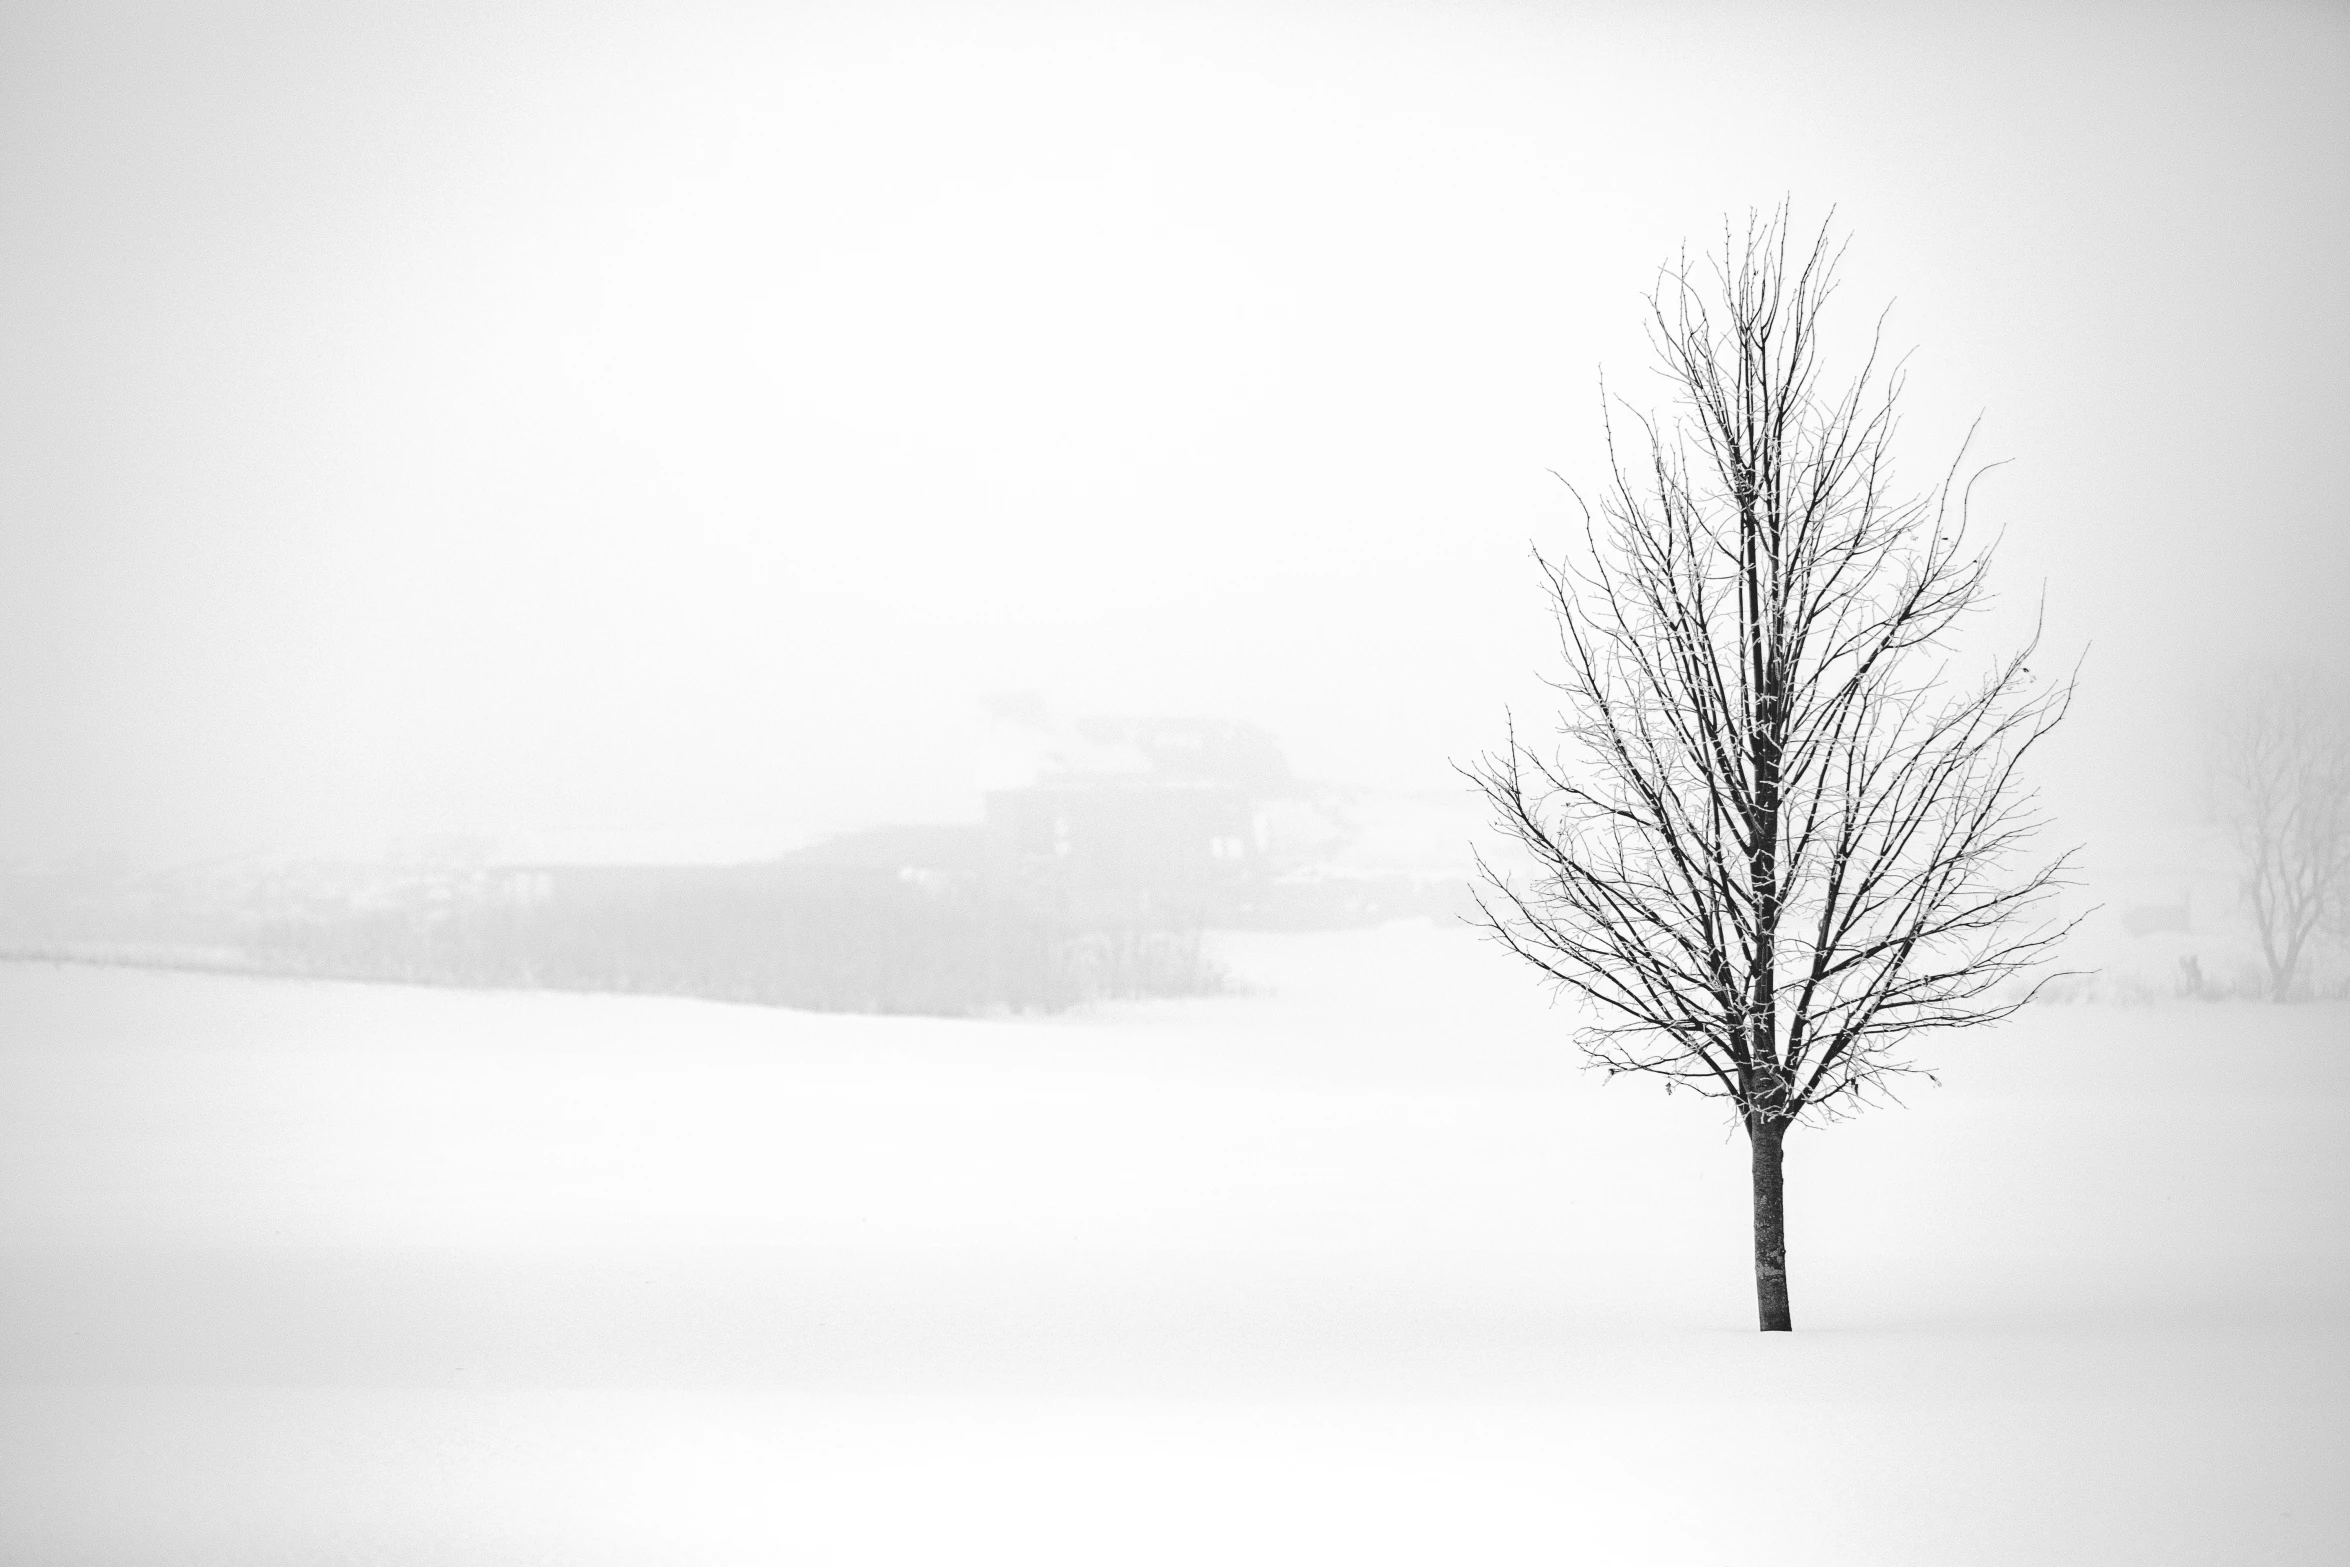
[[414, 420]]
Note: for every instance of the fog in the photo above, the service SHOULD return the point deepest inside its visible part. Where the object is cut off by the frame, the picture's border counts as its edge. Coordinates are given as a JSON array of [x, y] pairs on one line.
[[423, 420], [1003, 519]]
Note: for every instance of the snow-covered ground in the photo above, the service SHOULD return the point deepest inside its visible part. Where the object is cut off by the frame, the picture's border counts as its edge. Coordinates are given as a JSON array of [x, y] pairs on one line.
[[1360, 1268]]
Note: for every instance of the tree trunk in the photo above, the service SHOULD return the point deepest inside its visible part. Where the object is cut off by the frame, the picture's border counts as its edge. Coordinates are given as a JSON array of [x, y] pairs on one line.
[[2283, 972], [1768, 1137]]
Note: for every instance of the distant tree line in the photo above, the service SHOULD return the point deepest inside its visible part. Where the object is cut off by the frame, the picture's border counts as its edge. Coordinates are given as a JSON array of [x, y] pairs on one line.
[[1084, 886], [820, 938]]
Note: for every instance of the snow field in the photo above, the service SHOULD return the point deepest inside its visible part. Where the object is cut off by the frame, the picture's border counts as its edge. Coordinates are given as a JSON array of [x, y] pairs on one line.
[[1359, 1268]]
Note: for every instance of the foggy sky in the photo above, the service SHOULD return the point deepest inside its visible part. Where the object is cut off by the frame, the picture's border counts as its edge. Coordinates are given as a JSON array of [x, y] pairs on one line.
[[420, 421]]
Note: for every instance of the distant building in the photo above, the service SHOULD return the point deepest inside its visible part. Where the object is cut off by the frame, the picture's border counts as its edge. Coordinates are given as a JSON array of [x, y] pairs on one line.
[[1173, 822], [1123, 851], [1136, 822]]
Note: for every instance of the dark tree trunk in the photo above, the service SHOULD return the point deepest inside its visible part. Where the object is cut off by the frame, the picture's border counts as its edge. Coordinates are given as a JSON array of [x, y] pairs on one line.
[[1768, 1137]]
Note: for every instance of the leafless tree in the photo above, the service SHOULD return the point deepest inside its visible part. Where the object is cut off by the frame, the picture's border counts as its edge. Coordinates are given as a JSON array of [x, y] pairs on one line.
[[1780, 834], [2284, 790]]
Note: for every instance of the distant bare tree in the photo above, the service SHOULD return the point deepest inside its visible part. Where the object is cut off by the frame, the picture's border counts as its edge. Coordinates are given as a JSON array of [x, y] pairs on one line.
[[2284, 791], [1779, 837]]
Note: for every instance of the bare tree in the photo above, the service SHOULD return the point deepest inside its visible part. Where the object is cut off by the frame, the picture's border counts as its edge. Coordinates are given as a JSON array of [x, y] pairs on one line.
[[1779, 836], [2284, 777]]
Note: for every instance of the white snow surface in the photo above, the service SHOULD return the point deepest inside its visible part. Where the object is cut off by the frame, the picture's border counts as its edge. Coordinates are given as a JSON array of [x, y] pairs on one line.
[[1360, 1267]]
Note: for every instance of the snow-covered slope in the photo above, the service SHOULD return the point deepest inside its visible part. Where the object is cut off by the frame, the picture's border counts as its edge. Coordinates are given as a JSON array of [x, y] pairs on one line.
[[1359, 1267]]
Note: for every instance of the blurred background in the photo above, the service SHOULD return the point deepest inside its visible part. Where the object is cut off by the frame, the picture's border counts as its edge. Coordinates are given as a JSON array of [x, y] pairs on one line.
[[448, 443]]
